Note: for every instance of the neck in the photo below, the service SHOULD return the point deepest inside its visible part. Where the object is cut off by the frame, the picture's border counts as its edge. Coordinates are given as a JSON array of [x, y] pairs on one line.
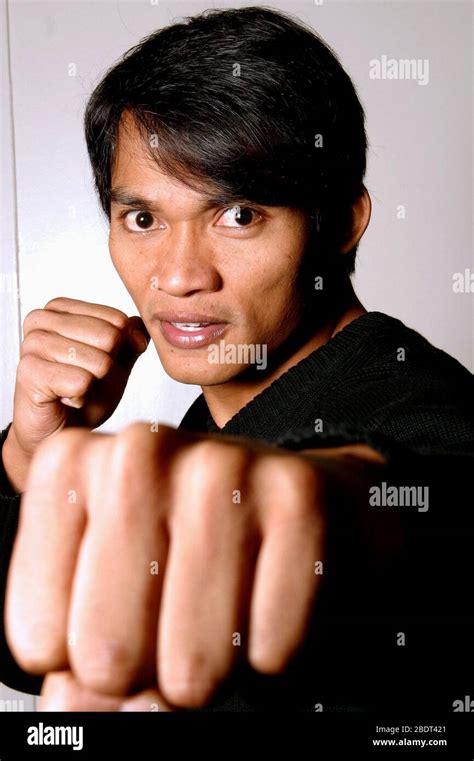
[[226, 399]]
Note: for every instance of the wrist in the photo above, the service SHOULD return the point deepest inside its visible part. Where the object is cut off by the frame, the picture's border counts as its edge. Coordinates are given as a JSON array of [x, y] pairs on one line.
[[16, 462]]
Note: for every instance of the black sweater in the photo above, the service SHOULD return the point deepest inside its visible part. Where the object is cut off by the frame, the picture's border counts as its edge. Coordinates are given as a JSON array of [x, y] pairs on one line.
[[381, 383]]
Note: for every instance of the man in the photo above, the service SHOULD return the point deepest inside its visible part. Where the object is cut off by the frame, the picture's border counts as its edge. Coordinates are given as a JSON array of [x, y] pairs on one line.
[[292, 527]]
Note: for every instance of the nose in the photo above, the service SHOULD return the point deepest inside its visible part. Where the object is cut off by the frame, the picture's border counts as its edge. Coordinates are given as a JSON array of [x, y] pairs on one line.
[[186, 266]]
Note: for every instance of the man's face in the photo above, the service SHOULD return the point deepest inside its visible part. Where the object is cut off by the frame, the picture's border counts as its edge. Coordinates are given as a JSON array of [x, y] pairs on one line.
[[219, 273]]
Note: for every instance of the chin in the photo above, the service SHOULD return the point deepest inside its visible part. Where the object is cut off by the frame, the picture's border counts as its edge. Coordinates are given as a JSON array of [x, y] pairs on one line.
[[197, 370], [204, 376]]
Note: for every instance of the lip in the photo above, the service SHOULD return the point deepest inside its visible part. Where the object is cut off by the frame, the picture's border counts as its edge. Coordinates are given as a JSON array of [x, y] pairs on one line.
[[190, 340], [188, 317]]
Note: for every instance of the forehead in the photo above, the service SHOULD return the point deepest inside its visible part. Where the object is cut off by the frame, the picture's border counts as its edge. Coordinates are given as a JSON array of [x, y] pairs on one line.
[[135, 168], [131, 152]]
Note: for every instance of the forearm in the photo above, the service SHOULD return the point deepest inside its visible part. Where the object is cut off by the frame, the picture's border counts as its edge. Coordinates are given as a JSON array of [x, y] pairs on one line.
[[14, 464], [425, 547], [400, 633], [10, 673]]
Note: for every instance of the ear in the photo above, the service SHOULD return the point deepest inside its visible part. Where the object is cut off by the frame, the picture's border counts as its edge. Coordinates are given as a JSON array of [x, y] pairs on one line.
[[361, 211]]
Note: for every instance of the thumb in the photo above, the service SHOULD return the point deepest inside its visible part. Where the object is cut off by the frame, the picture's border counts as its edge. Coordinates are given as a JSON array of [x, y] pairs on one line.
[[135, 341]]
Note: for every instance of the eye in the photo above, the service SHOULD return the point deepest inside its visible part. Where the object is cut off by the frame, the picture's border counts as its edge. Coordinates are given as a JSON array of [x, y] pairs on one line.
[[238, 216], [140, 221]]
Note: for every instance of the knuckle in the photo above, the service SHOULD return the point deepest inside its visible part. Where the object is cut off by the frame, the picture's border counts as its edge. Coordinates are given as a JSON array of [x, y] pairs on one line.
[[33, 340], [59, 450], [129, 447], [54, 463], [111, 337], [204, 454], [200, 470], [210, 447], [80, 381], [301, 473], [191, 687], [56, 303], [120, 319], [31, 319], [295, 481], [130, 439], [103, 364], [106, 667], [83, 377], [166, 440], [26, 367], [202, 460]]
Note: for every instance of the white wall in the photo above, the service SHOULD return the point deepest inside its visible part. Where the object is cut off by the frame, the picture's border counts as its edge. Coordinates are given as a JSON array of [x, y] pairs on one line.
[[9, 303], [420, 157]]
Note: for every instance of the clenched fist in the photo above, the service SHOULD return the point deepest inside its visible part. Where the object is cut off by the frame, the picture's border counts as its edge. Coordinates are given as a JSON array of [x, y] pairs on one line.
[[75, 362], [156, 559]]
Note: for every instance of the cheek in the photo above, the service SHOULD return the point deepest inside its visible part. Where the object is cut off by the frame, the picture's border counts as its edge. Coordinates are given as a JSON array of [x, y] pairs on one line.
[[128, 266], [279, 266], [279, 262], [273, 284], [282, 307], [116, 252]]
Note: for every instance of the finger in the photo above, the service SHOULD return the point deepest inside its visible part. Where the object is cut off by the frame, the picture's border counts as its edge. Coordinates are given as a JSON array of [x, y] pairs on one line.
[[148, 700], [135, 341], [52, 522], [134, 325], [56, 348], [61, 691], [83, 328], [76, 306], [286, 578], [43, 381], [208, 576], [120, 568]]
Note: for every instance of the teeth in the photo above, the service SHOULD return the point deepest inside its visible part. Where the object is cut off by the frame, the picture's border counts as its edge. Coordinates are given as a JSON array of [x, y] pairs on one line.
[[189, 325]]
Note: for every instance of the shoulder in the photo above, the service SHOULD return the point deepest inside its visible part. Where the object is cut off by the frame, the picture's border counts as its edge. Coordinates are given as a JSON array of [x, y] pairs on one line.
[[392, 380], [378, 342]]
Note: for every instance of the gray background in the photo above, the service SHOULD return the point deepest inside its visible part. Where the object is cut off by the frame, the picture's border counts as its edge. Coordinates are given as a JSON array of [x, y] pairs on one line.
[[54, 241]]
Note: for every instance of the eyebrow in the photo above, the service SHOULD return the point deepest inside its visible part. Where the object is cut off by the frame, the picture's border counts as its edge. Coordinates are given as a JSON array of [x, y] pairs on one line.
[[124, 197]]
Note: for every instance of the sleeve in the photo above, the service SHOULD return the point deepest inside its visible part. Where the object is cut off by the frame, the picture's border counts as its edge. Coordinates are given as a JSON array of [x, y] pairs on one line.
[[402, 637], [10, 673]]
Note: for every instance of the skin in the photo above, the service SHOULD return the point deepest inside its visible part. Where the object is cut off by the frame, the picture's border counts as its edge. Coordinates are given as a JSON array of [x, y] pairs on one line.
[[203, 261], [98, 510]]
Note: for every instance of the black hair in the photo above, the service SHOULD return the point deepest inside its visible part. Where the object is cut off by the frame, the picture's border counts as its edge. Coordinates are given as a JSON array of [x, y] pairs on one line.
[[249, 101]]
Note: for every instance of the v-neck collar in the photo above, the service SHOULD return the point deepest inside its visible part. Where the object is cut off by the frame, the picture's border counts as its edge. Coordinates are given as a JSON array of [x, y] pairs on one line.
[[284, 403]]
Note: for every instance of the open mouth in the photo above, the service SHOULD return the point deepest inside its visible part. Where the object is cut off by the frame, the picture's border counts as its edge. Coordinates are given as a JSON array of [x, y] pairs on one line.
[[189, 325], [191, 335]]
